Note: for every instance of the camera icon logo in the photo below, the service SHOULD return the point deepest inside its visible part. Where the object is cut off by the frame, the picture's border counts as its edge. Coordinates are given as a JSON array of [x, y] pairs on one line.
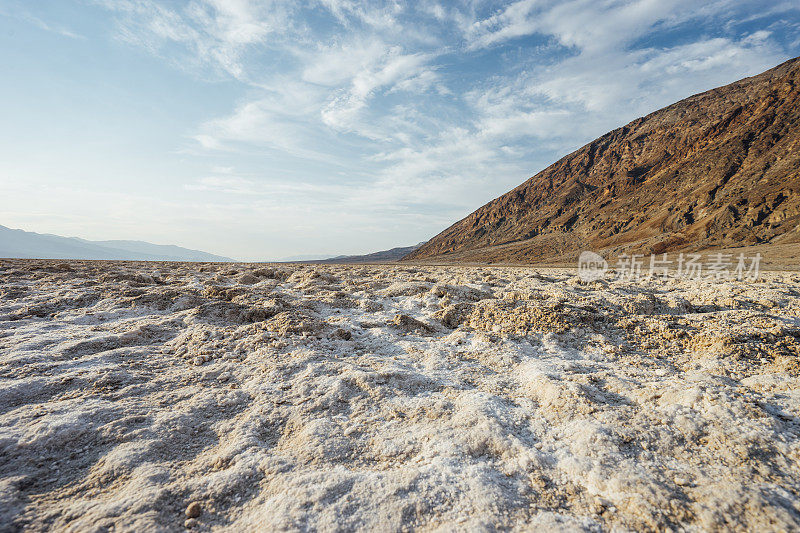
[[591, 266]]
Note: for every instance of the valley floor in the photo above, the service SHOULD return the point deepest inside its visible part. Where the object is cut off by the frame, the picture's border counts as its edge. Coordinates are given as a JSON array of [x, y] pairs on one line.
[[163, 396]]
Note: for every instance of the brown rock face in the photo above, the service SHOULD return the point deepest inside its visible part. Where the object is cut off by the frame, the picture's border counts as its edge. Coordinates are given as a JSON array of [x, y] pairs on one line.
[[718, 169]]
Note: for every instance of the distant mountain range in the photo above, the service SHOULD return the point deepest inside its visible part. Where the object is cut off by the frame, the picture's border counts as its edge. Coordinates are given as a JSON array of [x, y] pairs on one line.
[[384, 256], [719, 169], [303, 258], [17, 243]]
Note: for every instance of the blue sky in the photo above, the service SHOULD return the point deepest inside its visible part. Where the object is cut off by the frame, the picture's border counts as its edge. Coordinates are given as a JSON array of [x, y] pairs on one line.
[[266, 129]]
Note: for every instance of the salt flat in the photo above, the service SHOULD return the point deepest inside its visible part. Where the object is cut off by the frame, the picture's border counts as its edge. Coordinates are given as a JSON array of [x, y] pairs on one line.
[[289, 397]]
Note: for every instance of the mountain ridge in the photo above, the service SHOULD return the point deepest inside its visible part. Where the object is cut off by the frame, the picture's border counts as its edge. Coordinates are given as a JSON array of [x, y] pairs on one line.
[[719, 168], [18, 243], [382, 256]]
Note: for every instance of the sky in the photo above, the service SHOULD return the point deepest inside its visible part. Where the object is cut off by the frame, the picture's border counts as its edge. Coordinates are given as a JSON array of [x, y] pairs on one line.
[[262, 129]]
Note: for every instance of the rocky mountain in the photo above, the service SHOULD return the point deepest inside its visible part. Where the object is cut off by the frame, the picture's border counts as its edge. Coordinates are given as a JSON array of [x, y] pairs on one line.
[[718, 169], [384, 256], [26, 244]]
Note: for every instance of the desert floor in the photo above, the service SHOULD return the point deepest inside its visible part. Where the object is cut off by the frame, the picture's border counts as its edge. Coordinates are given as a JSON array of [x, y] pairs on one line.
[[290, 397]]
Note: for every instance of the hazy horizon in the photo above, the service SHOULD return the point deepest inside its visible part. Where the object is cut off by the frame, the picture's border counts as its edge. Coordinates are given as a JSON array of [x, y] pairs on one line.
[[264, 130]]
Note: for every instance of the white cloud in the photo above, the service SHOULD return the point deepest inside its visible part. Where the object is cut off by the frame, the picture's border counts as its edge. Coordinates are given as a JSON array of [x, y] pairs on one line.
[[216, 33], [400, 111], [515, 20], [643, 80], [371, 13], [50, 27], [286, 118], [358, 71], [339, 63]]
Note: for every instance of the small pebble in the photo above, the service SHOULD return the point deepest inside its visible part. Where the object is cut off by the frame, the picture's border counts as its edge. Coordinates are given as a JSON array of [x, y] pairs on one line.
[[194, 510], [343, 334]]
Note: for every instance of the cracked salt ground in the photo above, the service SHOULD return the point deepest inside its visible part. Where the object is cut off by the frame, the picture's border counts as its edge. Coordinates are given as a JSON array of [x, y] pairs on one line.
[[141, 396]]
